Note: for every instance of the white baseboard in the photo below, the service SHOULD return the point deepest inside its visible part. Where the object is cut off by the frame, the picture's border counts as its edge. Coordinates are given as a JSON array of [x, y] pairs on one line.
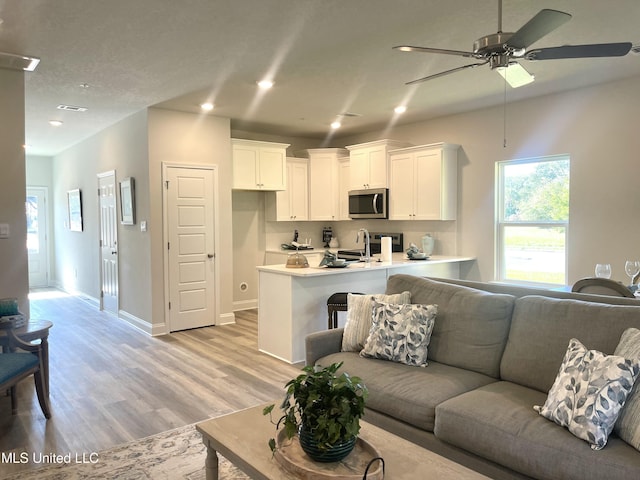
[[245, 304], [146, 327], [227, 319]]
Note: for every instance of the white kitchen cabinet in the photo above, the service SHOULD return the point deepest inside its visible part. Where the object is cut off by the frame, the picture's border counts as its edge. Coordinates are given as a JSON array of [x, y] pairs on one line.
[[369, 163], [423, 182], [323, 183], [291, 204], [259, 165], [344, 169]]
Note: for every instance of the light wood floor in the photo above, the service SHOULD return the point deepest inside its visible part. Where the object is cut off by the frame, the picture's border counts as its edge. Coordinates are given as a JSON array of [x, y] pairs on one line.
[[111, 383]]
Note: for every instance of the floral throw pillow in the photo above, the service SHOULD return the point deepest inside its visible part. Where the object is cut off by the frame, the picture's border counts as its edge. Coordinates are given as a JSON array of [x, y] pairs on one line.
[[400, 333], [589, 392], [360, 316], [628, 424]]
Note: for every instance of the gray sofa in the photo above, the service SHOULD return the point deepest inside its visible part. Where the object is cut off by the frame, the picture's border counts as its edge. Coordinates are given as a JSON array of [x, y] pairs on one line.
[[494, 353]]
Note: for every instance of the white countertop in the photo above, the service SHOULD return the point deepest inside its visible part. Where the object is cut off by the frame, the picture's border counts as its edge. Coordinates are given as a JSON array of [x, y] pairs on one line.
[[399, 260]]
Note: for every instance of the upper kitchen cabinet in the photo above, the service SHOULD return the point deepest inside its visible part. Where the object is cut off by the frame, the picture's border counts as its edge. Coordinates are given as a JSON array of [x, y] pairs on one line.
[[324, 183], [259, 165], [423, 182], [291, 204], [344, 168], [368, 163]]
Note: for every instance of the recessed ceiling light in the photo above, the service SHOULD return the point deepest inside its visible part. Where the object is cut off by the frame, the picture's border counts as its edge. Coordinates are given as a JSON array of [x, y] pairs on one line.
[[400, 109], [265, 84], [335, 125], [55, 123], [207, 106]]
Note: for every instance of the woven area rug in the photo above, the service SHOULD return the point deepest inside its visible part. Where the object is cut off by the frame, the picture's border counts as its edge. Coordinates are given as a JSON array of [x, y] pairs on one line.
[[172, 455]]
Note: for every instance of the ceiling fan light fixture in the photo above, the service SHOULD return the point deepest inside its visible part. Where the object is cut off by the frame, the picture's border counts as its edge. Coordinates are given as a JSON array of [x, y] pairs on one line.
[[336, 125], [515, 75]]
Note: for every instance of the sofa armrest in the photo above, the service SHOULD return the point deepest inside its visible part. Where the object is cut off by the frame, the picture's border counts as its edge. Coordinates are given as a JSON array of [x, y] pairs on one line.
[[321, 344]]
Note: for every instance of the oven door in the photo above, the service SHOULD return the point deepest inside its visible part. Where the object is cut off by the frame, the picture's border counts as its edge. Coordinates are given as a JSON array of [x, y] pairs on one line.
[[371, 203]]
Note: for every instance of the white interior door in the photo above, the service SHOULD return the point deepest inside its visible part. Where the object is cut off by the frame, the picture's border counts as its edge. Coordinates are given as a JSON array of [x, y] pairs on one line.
[[108, 242], [191, 256], [37, 240]]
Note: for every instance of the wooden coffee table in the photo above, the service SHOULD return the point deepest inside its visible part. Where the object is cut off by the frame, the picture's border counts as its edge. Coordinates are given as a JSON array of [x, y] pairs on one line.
[[242, 438]]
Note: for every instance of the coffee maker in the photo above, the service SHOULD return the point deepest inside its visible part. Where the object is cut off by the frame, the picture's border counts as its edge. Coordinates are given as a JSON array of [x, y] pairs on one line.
[[327, 235]]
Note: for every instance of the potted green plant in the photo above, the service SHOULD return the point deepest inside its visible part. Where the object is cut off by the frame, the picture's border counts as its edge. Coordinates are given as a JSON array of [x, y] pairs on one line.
[[324, 409]]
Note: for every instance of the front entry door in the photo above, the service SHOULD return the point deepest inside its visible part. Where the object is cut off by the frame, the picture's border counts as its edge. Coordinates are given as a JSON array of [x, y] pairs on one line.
[[108, 242], [191, 258], [37, 243]]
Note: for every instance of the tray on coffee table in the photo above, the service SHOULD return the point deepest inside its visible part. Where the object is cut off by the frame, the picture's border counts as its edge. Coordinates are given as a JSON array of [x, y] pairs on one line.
[[291, 456]]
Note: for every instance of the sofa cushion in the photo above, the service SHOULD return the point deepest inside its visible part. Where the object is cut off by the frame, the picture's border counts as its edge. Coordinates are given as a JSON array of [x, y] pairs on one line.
[[589, 392], [400, 333], [542, 327], [409, 394], [472, 325], [497, 422], [360, 316], [628, 424]]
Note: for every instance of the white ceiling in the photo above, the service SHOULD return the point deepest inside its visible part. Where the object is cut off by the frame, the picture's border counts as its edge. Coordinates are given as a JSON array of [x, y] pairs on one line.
[[326, 57]]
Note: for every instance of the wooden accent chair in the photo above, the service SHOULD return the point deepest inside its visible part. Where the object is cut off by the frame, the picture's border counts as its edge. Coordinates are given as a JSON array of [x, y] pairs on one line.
[[16, 366], [601, 286]]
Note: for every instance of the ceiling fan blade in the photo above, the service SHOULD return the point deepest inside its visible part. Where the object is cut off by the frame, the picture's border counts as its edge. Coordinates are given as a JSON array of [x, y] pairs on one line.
[[460, 53], [515, 75], [540, 25], [580, 51], [446, 72]]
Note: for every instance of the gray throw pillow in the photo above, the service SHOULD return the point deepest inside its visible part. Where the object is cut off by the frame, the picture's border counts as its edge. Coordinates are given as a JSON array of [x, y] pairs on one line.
[[628, 424], [589, 392], [400, 333], [359, 317]]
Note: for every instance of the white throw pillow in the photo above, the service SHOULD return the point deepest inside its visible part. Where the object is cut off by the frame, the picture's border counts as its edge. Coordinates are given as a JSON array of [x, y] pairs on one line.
[[589, 392], [400, 333], [360, 317], [628, 424]]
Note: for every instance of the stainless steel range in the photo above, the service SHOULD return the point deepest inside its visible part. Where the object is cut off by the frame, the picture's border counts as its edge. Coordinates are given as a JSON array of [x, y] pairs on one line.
[[397, 245]]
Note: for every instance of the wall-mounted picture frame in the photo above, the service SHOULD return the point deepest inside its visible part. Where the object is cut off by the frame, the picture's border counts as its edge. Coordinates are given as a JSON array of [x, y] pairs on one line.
[[127, 202], [74, 204]]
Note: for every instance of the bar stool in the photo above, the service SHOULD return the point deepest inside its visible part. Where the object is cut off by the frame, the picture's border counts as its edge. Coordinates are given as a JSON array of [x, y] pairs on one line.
[[337, 303]]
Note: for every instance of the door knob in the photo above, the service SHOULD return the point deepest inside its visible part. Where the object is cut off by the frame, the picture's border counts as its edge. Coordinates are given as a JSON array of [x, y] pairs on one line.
[[210, 255]]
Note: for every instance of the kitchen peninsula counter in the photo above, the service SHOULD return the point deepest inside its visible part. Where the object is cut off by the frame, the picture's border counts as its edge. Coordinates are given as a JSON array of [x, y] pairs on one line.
[[292, 302]]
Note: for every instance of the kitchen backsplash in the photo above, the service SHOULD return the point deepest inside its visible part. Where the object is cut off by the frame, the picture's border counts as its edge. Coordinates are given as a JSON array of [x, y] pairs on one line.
[[444, 233]]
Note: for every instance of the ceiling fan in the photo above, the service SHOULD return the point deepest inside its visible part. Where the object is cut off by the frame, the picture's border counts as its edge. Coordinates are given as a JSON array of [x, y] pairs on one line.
[[501, 50]]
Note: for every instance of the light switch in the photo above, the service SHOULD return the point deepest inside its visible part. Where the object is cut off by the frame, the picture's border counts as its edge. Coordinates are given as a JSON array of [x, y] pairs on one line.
[[4, 230], [143, 226]]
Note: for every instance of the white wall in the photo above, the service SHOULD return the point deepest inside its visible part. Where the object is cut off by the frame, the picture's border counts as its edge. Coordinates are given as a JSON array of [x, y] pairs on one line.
[[596, 126], [14, 280]]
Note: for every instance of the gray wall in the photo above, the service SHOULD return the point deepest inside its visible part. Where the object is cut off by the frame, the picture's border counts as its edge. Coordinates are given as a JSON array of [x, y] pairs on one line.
[[596, 126], [14, 280]]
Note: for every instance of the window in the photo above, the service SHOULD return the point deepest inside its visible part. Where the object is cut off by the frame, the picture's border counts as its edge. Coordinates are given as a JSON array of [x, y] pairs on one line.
[[532, 206]]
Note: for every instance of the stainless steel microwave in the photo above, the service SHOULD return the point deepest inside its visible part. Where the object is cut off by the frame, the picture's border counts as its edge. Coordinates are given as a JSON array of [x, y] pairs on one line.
[[369, 203]]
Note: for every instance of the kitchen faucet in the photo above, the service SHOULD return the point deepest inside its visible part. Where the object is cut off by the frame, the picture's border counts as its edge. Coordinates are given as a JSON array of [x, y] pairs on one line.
[[367, 243]]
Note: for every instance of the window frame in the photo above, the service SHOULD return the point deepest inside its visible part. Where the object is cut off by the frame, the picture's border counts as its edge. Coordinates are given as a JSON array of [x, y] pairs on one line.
[[500, 223]]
